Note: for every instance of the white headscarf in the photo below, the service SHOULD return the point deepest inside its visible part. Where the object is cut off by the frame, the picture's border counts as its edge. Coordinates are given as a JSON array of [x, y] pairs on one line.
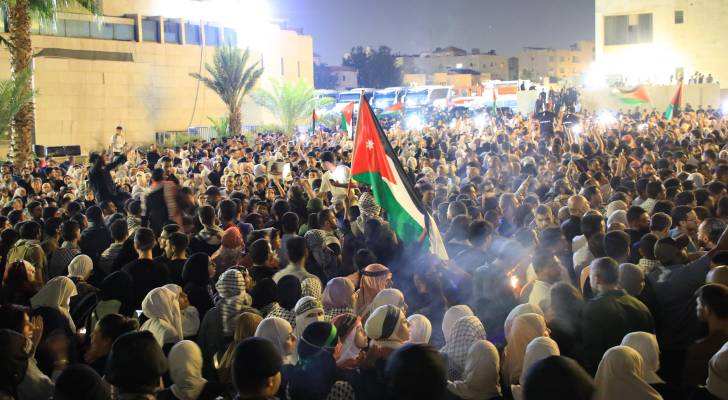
[[452, 315], [56, 294], [390, 296], [466, 331], [646, 344], [190, 315], [304, 306], [420, 329], [619, 376], [160, 305], [717, 382], [349, 349], [525, 328], [517, 311], [80, 267], [276, 330], [185, 369], [481, 380], [540, 348]]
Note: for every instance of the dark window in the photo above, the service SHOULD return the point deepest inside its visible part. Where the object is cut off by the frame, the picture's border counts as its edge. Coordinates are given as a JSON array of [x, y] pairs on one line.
[[150, 30], [192, 34], [171, 32], [679, 17], [212, 35], [627, 29], [231, 36]]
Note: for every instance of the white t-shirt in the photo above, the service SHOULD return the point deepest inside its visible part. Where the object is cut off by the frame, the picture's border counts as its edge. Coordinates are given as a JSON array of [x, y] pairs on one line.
[[340, 175]]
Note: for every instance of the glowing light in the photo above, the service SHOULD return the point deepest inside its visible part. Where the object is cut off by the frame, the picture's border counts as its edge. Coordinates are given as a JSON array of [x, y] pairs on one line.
[[642, 127], [480, 120], [453, 122], [606, 118], [576, 129], [514, 281], [414, 122], [302, 137]]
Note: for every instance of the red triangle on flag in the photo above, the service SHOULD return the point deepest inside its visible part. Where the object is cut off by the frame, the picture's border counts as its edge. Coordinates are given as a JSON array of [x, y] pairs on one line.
[[369, 152]]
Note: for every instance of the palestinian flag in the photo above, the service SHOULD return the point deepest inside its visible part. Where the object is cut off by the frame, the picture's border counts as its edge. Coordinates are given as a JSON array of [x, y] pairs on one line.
[[635, 96], [347, 115], [495, 102], [674, 107], [376, 164], [394, 108]]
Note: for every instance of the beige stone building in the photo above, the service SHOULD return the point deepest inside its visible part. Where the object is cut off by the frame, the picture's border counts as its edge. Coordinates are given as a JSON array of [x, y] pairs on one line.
[[443, 60], [538, 63], [346, 77], [131, 68], [653, 40]]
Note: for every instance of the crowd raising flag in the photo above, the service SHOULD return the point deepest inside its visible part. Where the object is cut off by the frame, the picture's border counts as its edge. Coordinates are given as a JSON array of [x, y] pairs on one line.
[[375, 164], [395, 108], [635, 96], [347, 115], [674, 107]]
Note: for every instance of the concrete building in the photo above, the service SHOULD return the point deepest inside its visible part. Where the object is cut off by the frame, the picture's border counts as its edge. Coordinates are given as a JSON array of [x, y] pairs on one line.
[[346, 77], [538, 63], [443, 60], [131, 68], [654, 40], [464, 82]]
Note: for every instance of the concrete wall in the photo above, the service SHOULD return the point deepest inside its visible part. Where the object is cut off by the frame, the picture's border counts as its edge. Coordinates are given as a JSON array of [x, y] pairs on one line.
[[495, 65], [81, 101], [698, 44]]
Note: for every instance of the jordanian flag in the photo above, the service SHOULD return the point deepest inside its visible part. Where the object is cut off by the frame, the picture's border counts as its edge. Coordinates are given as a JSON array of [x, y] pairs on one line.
[[394, 108], [635, 96], [674, 107], [376, 164], [347, 114]]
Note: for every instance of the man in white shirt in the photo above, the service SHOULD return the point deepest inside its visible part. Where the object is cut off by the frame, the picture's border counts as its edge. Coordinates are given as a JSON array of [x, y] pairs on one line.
[[336, 178], [548, 272], [118, 142], [297, 255]]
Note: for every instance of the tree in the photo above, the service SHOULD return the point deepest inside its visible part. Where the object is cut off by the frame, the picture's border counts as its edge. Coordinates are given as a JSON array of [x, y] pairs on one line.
[[19, 13], [232, 79], [14, 94], [377, 68], [289, 102], [322, 77]]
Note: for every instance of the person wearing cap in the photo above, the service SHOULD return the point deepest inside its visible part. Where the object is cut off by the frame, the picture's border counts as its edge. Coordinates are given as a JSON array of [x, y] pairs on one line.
[[256, 369], [674, 283], [611, 314]]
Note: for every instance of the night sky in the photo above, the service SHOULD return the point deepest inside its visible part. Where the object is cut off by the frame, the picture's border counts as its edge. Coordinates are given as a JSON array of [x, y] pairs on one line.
[[412, 26]]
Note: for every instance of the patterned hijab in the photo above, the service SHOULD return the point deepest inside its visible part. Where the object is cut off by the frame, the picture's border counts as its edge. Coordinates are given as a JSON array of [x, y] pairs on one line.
[[467, 330], [481, 380], [231, 288]]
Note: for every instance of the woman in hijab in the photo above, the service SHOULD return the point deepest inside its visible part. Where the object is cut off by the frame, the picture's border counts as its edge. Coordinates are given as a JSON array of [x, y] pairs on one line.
[[245, 327], [264, 296], [114, 297], [231, 251], [526, 327], [165, 320], [558, 377], [289, 292], [311, 287], [369, 209], [308, 310], [619, 376], [389, 330], [316, 376], [374, 279], [19, 284], [352, 338], [79, 270], [196, 282], [279, 332], [56, 294], [646, 344], [452, 315], [539, 348], [420, 329], [190, 315], [466, 331], [326, 258], [338, 298], [231, 289], [518, 311], [388, 296], [481, 379], [185, 369]]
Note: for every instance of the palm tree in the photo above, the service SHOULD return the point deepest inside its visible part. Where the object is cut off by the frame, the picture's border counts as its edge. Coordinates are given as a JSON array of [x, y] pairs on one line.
[[14, 94], [232, 79], [289, 102], [19, 14]]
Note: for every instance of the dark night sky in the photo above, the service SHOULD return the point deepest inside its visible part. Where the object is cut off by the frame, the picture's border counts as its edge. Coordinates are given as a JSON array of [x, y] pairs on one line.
[[411, 26]]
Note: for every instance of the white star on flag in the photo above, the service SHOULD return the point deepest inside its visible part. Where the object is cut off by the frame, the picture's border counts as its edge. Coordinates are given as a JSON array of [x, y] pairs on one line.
[[370, 144]]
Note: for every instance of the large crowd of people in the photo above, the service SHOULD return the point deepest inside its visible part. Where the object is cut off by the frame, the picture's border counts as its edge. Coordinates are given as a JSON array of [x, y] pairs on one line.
[[586, 260]]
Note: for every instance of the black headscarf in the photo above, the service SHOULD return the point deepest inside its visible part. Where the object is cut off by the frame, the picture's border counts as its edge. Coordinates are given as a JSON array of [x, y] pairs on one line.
[[196, 270], [289, 291], [79, 381], [264, 293], [136, 363], [14, 360], [118, 286], [558, 377]]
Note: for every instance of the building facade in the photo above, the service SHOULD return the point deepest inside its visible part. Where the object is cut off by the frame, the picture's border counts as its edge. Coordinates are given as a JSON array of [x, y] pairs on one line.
[[132, 68], [443, 60], [538, 63], [346, 77], [660, 40]]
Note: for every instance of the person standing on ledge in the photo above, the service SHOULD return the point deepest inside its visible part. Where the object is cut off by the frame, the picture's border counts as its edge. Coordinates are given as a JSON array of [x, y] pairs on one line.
[[118, 142]]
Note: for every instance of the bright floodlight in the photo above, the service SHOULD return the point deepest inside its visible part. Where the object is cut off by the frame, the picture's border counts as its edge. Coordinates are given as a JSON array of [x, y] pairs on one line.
[[480, 120], [414, 122], [302, 137], [576, 129], [606, 118]]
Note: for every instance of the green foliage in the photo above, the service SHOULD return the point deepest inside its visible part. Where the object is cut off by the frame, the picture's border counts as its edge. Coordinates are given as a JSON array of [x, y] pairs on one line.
[[290, 102], [377, 68], [14, 93], [221, 126]]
